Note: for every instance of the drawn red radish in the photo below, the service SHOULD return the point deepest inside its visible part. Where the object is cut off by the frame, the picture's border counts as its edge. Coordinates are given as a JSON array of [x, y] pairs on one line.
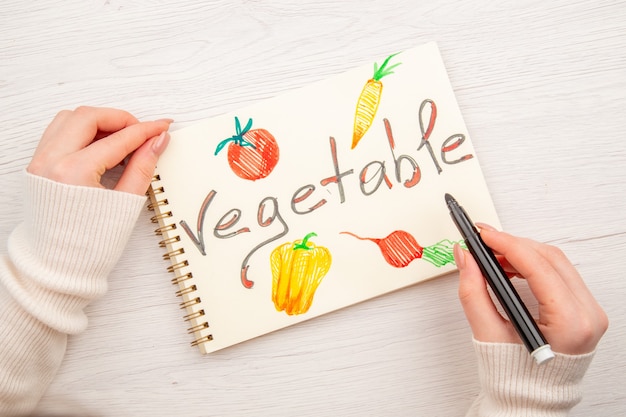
[[399, 248], [252, 154]]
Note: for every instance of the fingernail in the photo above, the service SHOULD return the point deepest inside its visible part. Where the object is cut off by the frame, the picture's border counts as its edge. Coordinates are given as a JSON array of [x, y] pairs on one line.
[[485, 226], [459, 256], [165, 120], [160, 143]]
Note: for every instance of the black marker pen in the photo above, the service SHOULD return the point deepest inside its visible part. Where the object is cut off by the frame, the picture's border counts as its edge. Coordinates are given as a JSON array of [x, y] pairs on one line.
[[504, 290]]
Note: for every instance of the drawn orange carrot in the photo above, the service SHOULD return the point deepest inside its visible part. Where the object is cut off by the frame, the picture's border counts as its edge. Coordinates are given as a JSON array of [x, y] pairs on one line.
[[367, 104]]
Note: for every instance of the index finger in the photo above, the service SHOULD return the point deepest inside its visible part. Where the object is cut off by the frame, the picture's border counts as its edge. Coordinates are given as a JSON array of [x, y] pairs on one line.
[[71, 131], [111, 150]]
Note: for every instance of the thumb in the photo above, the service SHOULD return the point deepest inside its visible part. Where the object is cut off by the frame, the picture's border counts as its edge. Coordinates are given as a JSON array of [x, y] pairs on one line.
[[138, 173], [486, 322]]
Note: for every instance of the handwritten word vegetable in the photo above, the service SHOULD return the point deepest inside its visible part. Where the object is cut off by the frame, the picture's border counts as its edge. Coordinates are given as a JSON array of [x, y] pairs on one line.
[[297, 270], [400, 248], [265, 216], [252, 154], [369, 100]]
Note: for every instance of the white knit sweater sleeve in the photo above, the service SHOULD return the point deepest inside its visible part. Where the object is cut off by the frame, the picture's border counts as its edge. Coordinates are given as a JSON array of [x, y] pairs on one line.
[[58, 261], [513, 385]]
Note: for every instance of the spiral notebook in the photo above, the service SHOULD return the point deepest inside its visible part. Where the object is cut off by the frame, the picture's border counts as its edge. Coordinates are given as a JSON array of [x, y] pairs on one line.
[[315, 200]]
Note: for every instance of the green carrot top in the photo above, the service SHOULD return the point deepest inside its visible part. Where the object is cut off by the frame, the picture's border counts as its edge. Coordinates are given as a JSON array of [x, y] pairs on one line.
[[383, 70]]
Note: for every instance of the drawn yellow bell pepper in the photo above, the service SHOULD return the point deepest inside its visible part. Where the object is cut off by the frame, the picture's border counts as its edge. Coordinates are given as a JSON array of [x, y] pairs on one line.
[[297, 270]]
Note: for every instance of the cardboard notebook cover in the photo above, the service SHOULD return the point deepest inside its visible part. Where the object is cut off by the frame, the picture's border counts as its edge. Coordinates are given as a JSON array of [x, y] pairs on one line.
[[317, 199]]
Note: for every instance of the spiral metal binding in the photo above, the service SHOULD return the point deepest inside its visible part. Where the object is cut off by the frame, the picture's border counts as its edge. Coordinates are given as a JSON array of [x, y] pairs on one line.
[[204, 339], [186, 291], [169, 241], [164, 229], [157, 203], [178, 266], [177, 280], [157, 217], [171, 254], [194, 315], [189, 303], [198, 327]]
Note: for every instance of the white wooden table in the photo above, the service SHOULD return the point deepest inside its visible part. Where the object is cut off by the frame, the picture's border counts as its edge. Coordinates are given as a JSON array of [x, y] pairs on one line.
[[542, 86]]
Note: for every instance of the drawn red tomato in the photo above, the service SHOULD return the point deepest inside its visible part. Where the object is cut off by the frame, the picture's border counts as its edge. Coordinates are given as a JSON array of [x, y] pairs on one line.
[[252, 154]]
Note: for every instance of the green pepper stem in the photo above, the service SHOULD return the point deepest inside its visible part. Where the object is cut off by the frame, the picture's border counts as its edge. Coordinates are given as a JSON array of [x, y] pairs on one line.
[[303, 244]]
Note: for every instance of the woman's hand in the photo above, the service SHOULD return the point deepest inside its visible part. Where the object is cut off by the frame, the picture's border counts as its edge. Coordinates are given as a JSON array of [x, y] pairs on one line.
[[79, 146], [569, 316]]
